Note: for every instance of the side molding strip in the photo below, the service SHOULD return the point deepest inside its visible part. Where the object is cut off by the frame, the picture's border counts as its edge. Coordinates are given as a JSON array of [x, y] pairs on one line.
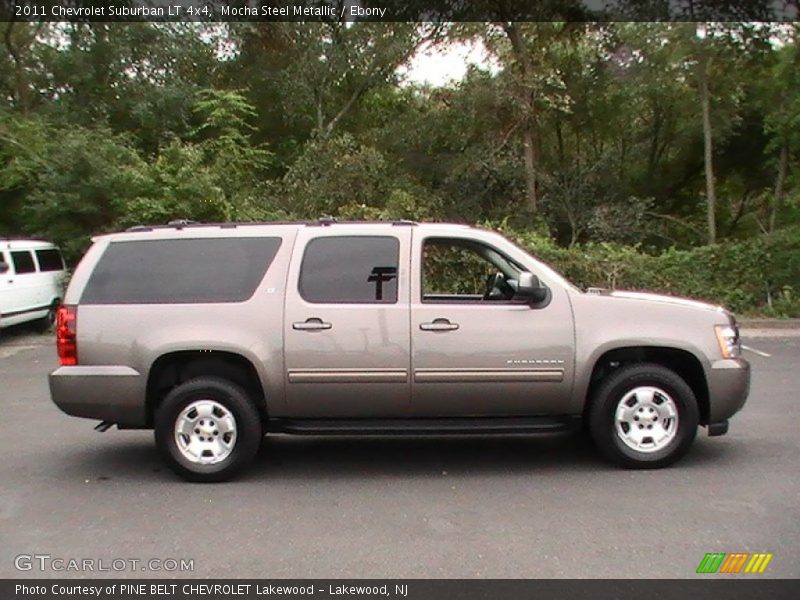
[[348, 376], [487, 375]]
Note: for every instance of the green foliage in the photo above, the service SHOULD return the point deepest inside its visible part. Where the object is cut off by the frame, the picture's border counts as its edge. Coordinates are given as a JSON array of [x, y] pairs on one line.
[[105, 125], [23, 144], [233, 161], [179, 186], [339, 176], [84, 179], [79, 181], [759, 275]]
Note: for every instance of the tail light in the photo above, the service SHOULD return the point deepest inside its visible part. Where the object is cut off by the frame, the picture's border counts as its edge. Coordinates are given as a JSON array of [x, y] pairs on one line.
[[66, 335]]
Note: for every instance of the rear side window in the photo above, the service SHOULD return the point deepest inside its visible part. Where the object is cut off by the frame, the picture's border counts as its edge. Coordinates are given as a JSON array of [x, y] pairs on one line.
[[180, 271], [350, 269], [49, 260], [23, 262]]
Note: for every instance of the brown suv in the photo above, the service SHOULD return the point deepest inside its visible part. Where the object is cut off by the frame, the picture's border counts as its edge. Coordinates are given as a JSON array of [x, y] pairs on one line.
[[215, 335]]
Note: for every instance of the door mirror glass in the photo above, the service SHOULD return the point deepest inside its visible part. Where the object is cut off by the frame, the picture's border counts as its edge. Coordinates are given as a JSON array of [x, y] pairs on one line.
[[3, 267], [531, 288]]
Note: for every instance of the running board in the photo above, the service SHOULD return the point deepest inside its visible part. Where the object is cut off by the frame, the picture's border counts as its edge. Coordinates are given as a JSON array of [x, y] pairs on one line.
[[422, 426]]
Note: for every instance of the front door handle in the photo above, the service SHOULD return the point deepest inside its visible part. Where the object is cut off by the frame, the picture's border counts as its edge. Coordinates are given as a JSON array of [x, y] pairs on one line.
[[439, 325], [312, 324]]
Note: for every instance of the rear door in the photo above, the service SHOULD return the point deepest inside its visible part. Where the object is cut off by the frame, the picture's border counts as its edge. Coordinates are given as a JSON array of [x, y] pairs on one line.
[[347, 341]]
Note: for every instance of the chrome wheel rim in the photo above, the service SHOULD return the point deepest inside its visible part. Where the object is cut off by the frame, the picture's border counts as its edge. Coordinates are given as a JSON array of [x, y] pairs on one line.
[[205, 432], [646, 419]]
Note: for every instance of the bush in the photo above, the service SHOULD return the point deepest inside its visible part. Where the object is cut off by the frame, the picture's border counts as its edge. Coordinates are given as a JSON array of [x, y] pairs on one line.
[[759, 276]]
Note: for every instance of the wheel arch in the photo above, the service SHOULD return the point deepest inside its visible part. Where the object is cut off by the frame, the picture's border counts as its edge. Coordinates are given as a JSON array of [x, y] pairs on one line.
[[683, 362], [176, 367]]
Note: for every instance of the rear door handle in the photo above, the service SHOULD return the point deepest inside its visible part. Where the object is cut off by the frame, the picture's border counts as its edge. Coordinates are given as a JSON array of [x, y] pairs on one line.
[[439, 325], [312, 324]]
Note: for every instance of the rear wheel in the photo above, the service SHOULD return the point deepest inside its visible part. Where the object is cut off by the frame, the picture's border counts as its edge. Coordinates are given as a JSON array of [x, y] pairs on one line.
[[207, 429], [643, 416]]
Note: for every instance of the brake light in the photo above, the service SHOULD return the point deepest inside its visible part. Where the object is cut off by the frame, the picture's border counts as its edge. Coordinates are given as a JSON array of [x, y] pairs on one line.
[[66, 335]]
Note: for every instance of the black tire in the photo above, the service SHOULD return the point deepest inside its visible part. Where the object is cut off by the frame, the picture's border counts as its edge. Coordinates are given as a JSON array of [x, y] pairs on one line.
[[46, 323], [603, 407], [235, 400]]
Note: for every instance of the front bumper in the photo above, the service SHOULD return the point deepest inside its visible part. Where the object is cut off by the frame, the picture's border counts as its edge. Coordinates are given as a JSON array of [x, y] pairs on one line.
[[108, 393], [728, 387]]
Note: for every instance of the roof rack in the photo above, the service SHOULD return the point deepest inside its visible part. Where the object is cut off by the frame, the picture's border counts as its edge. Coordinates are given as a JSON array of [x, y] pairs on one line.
[[174, 224], [326, 220], [323, 221], [181, 223]]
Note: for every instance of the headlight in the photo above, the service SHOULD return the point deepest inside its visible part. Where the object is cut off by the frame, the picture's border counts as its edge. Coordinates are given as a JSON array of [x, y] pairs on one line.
[[728, 338]]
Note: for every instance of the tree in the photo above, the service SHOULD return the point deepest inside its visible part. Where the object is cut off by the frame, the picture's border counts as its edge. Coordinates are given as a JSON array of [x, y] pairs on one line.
[[780, 103], [18, 38], [530, 52], [323, 71], [717, 53]]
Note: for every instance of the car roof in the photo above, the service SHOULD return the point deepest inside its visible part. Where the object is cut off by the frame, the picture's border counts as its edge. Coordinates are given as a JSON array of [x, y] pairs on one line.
[[251, 229], [6, 244]]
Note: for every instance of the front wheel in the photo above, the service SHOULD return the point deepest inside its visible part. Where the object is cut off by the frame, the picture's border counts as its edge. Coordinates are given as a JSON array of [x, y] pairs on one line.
[[643, 416], [207, 429]]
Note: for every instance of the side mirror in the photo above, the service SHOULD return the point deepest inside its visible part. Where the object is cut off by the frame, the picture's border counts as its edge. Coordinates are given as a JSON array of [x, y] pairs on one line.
[[531, 288], [4, 267]]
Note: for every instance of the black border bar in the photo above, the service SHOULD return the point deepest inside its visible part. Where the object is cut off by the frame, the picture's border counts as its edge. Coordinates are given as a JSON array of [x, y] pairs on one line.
[[399, 10], [712, 587]]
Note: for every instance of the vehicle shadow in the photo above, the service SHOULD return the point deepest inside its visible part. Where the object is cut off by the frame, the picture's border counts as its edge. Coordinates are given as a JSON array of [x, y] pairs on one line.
[[24, 333], [309, 458], [287, 458]]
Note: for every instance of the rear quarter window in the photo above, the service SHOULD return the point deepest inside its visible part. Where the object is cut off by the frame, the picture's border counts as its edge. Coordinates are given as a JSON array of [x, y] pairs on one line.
[[350, 269], [182, 271], [49, 260]]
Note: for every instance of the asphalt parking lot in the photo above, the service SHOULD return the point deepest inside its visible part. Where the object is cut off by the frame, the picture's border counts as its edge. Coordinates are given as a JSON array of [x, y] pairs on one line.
[[507, 507]]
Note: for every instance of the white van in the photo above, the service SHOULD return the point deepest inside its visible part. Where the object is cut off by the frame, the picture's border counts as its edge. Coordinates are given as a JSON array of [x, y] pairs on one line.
[[31, 281]]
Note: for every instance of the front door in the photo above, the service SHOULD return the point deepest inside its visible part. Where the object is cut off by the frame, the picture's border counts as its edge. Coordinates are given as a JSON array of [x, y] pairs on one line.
[[477, 350], [347, 309]]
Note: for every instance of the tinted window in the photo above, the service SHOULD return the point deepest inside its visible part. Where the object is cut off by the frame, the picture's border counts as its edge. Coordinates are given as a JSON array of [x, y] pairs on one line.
[[449, 268], [23, 262], [351, 270], [49, 260], [180, 271], [457, 270]]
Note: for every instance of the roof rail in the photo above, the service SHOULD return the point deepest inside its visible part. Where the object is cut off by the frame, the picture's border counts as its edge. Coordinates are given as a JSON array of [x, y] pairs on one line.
[[176, 223], [325, 220], [180, 223]]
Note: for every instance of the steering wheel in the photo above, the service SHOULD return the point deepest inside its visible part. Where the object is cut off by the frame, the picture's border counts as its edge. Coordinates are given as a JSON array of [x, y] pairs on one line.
[[497, 287]]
